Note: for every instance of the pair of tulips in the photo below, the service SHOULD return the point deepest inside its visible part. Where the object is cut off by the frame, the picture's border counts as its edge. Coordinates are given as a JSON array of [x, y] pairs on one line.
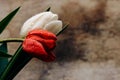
[[40, 35]]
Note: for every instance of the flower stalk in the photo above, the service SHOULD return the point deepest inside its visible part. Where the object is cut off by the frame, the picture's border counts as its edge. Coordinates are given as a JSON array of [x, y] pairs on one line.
[[15, 64], [12, 40]]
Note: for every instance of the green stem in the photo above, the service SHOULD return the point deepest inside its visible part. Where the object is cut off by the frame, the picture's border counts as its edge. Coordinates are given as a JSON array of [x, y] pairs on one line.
[[62, 30], [18, 61], [12, 40]]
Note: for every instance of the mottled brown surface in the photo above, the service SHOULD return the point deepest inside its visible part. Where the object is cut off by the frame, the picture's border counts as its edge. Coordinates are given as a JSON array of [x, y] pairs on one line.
[[88, 50]]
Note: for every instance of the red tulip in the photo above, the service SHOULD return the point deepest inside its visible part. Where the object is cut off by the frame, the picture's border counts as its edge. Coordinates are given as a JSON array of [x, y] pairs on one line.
[[40, 44]]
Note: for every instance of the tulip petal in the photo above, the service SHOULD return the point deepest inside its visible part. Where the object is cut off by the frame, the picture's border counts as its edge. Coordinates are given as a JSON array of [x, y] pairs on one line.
[[51, 57], [47, 44], [27, 26], [54, 26], [43, 34], [37, 22], [44, 19], [34, 48]]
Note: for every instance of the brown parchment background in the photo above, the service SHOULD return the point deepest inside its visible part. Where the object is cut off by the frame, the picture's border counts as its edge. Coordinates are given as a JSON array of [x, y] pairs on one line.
[[89, 49]]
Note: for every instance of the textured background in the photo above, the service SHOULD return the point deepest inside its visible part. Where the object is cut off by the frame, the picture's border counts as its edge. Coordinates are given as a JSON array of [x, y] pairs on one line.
[[88, 50]]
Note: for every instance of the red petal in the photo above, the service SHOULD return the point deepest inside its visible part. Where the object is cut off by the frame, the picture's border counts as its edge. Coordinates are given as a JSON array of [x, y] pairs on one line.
[[48, 44], [51, 57], [34, 48], [43, 34], [35, 37]]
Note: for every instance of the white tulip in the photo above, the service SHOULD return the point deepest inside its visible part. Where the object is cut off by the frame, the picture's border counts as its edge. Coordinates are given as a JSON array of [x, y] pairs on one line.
[[45, 20]]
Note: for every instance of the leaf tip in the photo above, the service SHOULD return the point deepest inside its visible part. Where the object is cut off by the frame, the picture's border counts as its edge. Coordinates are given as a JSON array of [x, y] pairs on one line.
[[48, 9]]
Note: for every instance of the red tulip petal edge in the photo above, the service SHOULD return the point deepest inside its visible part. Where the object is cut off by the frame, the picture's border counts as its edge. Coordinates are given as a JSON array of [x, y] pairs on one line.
[[40, 44]]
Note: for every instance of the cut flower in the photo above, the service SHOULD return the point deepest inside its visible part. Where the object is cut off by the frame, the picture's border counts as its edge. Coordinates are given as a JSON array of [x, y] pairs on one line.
[[40, 35], [40, 44]]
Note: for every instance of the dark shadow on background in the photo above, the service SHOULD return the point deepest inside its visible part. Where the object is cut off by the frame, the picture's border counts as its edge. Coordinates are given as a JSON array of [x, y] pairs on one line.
[[66, 51]]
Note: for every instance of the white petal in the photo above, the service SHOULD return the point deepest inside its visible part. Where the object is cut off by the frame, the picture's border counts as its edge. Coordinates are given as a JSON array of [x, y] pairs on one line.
[[54, 26], [44, 19], [38, 21], [27, 26]]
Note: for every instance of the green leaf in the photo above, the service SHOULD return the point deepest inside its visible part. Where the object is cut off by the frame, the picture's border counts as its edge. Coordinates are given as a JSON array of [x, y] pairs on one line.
[[62, 30], [4, 55], [3, 47], [48, 9], [18, 61], [7, 19], [3, 61]]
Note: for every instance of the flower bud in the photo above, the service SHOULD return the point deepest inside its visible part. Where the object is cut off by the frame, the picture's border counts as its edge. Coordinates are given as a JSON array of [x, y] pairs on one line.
[[45, 20], [40, 44]]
